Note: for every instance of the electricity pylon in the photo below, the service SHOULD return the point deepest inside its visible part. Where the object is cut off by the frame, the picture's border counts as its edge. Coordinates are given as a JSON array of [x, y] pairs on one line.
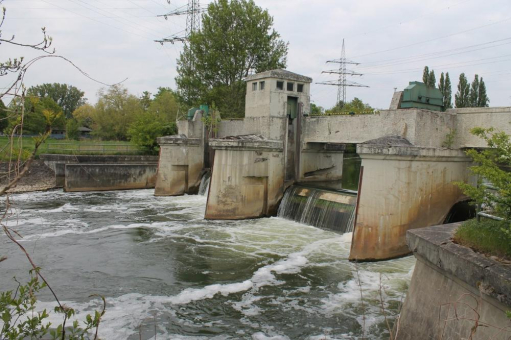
[[192, 13], [343, 72]]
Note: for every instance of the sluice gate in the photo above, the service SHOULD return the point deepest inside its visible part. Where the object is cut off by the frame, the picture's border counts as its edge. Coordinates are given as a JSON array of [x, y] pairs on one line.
[[325, 209]]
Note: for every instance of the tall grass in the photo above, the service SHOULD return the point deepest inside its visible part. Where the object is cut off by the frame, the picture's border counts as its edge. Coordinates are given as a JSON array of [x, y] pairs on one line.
[[487, 236]]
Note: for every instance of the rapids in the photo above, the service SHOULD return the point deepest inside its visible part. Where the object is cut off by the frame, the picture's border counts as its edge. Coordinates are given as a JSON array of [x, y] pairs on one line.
[[163, 269]]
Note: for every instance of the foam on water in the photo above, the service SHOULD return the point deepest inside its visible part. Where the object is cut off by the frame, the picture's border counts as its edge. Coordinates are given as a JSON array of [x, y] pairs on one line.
[[265, 273]]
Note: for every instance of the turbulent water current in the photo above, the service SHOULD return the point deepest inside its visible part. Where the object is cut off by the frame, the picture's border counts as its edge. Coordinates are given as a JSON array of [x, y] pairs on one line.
[[164, 269]]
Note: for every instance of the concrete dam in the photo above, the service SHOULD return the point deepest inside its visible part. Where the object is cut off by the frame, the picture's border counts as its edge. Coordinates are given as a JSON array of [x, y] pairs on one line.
[[281, 160]]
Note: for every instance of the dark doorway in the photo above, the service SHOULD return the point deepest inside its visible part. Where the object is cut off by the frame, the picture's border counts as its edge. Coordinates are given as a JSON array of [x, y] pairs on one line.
[[292, 107]]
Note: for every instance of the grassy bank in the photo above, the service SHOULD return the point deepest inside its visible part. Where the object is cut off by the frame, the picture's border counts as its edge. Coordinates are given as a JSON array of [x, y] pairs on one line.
[[487, 236], [26, 145]]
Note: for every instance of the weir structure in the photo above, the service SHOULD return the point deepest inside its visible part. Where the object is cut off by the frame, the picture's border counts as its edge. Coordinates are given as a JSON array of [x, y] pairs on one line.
[[411, 157]]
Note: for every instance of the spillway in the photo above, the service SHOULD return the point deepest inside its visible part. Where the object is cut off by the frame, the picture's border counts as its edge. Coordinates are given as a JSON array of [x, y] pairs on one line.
[[326, 209]]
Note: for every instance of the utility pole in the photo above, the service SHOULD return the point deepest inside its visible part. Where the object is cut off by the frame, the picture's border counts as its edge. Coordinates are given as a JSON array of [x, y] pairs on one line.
[[343, 72], [192, 13]]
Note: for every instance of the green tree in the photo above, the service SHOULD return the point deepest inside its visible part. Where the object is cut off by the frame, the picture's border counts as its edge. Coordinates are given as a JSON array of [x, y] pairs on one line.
[[356, 106], [147, 127], [237, 38], [145, 100], [474, 92], [114, 112], [482, 100], [159, 120], [38, 113], [72, 129], [441, 84], [492, 164], [431, 79], [461, 98], [165, 105], [85, 115], [448, 92], [66, 96], [316, 110], [425, 75]]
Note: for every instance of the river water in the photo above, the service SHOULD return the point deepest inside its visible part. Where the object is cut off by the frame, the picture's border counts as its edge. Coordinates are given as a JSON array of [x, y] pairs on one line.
[[163, 269]]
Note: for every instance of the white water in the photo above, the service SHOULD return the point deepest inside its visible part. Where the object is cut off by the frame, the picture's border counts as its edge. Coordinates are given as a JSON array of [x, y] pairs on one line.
[[158, 263]]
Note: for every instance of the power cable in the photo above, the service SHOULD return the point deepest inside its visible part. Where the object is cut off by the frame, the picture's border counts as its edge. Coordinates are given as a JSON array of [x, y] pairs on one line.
[[434, 39]]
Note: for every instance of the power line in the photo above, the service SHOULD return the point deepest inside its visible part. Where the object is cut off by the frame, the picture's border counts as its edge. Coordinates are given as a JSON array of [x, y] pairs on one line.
[[192, 12], [434, 39], [116, 18], [93, 19], [434, 55], [342, 83]]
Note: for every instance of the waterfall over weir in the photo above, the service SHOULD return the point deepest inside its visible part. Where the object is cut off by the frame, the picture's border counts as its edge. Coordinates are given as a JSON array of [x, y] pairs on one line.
[[332, 210], [204, 184]]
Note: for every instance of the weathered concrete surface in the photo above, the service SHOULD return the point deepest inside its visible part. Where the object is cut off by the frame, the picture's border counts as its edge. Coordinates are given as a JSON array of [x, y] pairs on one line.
[[454, 291], [321, 163], [247, 179], [270, 101], [180, 166], [423, 128], [58, 162], [96, 177], [403, 188], [396, 100], [485, 117]]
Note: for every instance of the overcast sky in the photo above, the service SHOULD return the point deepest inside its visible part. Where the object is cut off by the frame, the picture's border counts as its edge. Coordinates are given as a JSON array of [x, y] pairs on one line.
[[391, 39]]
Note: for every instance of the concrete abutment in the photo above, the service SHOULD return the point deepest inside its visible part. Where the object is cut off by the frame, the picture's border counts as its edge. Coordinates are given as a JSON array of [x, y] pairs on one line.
[[402, 188], [455, 293]]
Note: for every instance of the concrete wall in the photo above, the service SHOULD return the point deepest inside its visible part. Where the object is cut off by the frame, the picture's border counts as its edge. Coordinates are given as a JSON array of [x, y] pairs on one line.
[[486, 117], [321, 165], [58, 162], [403, 188], [421, 127], [231, 127], [180, 167], [247, 179], [272, 128], [95, 177], [191, 128], [454, 291]]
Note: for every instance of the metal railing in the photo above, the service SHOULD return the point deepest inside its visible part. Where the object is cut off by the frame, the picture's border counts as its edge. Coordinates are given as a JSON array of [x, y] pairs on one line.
[[480, 212], [81, 148], [345, 113]]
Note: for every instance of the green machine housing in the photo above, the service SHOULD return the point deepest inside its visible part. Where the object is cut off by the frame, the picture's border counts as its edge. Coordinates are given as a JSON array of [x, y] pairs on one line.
[[191, 112], [418, 95]]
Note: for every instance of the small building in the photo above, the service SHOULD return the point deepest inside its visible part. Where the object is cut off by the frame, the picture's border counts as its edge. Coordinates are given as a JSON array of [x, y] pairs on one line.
[[277, 93], [84, 132]]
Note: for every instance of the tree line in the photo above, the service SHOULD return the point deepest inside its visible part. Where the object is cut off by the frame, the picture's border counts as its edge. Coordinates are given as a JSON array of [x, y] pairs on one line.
[[468, 95], [117, 115]]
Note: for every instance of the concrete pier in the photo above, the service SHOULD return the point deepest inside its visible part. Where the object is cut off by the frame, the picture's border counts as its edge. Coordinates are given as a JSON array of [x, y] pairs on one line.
[[403, 187], [247, 180], [455, 293], [180, 166]]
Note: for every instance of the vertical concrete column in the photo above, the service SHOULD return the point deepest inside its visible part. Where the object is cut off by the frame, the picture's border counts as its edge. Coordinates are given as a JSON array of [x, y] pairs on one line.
[[403, 188], [247, 179], [180, 166]]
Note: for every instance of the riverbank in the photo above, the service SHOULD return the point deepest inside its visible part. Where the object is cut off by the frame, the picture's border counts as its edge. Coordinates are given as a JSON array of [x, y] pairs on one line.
[[38, 178]]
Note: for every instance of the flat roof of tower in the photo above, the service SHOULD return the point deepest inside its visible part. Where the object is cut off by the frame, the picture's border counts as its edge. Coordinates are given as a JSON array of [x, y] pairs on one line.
[[280, 74]]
